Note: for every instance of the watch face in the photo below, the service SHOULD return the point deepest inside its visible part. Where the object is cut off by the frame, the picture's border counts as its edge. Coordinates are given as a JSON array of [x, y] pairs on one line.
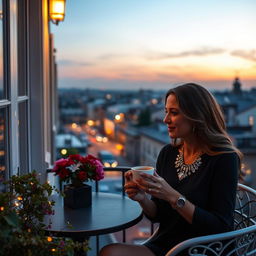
[[181, 202]]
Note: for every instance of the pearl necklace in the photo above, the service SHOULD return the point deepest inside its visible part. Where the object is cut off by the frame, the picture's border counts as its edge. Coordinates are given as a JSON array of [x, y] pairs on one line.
[[184, 170]]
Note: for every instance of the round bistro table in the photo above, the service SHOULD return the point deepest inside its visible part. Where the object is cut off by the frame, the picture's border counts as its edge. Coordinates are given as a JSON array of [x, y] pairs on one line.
[[108, 213]]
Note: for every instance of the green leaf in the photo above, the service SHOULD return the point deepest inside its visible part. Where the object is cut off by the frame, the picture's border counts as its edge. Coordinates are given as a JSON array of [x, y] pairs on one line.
[[69, 253], [12, 219]]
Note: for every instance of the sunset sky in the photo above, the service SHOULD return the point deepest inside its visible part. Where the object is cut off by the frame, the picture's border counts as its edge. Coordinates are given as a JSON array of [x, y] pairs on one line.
[[156, 43]]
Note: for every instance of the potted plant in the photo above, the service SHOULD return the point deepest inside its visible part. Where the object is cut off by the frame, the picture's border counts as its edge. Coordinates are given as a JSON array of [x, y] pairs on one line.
[[75, 170], [22, 211]]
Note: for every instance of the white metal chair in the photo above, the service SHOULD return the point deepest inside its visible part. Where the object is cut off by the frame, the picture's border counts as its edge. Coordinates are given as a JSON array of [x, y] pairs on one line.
[[240, 242]]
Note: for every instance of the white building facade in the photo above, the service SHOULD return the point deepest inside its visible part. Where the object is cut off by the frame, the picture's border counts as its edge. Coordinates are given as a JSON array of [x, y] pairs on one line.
[[247, 118]]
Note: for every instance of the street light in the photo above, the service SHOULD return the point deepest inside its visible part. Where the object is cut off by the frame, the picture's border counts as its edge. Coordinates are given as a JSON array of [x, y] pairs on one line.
[[57, 11], [117, 117], [90, 122]]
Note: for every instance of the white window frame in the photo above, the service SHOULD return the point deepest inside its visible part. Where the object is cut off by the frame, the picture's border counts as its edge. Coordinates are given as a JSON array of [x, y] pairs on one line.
[[40, 94]]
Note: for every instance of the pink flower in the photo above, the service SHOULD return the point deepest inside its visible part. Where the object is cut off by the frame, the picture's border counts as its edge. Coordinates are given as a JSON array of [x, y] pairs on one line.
[[63, 173], [59, 164], [91, 157], [79, 168], [82, 175], [76, 158], [99, 170], [88, 159]]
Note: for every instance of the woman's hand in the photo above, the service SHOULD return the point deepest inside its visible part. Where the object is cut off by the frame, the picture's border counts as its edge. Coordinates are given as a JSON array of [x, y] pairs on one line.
[[157, 187], [132, 189]]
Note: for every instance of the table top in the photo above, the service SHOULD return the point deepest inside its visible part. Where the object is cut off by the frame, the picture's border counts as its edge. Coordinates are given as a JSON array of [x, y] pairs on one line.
[[108, 213]]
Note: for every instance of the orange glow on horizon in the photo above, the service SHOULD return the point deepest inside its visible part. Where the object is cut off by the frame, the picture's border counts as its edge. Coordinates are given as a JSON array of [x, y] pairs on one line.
[[196, 72], [166, 70], [140, 68]]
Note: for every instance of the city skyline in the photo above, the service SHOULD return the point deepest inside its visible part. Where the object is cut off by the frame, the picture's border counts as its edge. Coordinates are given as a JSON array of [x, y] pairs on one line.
[[153, 45]]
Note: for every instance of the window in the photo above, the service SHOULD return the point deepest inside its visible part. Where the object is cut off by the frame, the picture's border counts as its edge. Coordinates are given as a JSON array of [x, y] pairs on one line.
[[4, 102], [251, 120], [23, 99], [2, 147], [23, 138], [27, 88], [22, 49], [1, 52]]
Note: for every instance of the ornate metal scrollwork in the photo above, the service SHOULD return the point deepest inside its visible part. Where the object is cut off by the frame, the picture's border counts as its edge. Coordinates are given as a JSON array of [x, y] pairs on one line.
[[238, 246], [245, 213], [240, 242]]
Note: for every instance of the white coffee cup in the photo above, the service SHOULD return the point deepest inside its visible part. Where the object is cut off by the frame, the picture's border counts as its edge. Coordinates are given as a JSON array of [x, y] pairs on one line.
[[136, 170]]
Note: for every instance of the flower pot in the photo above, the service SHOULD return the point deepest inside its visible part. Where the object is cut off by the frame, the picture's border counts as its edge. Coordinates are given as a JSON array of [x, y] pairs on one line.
[[78, 197]]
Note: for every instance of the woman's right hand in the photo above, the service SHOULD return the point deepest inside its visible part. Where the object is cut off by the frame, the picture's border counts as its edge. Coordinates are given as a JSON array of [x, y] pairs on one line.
[[132, 189]]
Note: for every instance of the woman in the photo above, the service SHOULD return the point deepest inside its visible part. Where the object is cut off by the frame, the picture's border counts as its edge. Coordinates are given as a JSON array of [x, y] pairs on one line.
[[194, 187]]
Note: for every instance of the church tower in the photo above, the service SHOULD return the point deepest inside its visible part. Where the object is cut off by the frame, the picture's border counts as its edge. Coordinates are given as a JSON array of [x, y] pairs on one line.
[[237, 87]]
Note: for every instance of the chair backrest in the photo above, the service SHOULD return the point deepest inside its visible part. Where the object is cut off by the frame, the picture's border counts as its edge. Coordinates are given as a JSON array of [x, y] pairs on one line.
[[245, 212], [240, 242]]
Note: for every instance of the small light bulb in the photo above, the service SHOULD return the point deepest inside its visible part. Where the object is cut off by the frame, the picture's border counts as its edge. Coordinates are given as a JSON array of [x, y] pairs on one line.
[[49, 239]]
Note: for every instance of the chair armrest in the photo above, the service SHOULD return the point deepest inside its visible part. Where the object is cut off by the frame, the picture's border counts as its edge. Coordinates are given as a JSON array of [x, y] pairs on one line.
[[245, 240]]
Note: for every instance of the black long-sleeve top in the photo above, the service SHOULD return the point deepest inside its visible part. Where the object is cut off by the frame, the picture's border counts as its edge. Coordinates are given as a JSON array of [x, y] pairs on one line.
[[212, 189]]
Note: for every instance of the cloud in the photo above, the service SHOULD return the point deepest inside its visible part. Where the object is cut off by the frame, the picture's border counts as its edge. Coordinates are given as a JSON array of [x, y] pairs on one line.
[[203, 51], [248, 55], [110, 56], [65, 62]]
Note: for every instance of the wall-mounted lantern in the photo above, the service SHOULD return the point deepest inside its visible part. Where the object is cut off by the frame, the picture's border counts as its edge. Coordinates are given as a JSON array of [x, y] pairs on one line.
[[57, 10]]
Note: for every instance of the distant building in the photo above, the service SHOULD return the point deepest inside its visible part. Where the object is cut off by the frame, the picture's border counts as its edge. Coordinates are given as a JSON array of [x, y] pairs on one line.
[[152, 139], [247, 117], [132, 146], [72, 115], [117, 117], [235, 102], [237, 86], [93, 108], [245, 136], [69, 144], [158, 113]]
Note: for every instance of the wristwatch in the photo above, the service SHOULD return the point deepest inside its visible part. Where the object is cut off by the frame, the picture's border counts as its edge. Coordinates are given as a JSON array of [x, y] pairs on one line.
[[180, 203]]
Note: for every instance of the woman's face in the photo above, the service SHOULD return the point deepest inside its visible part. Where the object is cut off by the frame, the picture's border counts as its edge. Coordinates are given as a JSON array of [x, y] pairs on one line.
[[178, 125]]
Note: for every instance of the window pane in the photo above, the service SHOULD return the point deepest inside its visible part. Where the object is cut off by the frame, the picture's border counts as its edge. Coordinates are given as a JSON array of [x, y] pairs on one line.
[[22, 54], [2, 147], [1, 52], [23, 137]]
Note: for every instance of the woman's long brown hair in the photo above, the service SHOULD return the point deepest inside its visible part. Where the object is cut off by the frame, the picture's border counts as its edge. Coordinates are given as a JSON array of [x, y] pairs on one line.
[[200, 107]]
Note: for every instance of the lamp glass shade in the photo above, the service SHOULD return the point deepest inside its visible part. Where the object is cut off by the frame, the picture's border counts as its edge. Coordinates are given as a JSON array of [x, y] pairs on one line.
[[57, 10]]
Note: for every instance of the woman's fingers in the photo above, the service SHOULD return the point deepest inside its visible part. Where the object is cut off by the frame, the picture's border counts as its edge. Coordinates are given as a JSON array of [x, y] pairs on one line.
[[143, 186], [128, 176], [131, 191], [150, 190], [153, 178], [149, 185], [131, 186], [146, 186]]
